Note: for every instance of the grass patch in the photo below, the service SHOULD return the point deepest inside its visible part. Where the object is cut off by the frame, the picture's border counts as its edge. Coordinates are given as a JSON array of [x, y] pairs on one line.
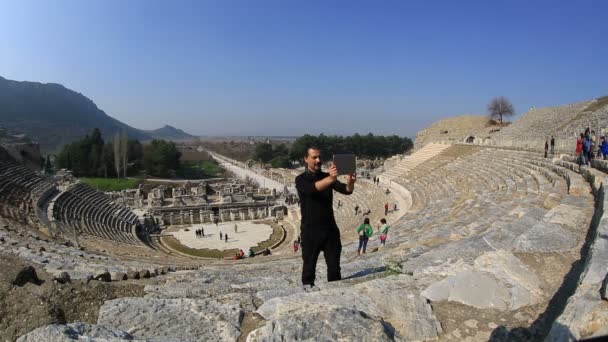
[[200, 169], [174, 244], [112, 184]]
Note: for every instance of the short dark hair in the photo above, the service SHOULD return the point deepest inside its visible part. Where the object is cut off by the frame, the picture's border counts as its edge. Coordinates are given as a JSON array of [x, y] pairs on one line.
[[366, 221], [311, 148], [383, 220]]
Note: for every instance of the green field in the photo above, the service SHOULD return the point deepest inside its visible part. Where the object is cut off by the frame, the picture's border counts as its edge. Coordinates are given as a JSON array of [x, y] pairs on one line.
[[112, 184], [200, 169]]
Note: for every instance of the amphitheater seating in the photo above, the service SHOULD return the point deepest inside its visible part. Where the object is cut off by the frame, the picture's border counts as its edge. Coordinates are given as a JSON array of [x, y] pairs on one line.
[[82, 209], [410, 162], [566, 121], [20, 189]]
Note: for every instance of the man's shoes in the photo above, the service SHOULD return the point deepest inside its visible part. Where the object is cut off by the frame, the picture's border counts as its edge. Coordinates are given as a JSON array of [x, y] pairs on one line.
[[311, 288]]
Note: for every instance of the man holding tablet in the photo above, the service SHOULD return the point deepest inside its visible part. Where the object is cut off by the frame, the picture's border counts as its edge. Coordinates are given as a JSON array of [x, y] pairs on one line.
[[318, 229]]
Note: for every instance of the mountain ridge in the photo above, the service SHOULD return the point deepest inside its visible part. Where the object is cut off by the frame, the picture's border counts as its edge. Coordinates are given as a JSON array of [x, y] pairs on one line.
[[54, 115]]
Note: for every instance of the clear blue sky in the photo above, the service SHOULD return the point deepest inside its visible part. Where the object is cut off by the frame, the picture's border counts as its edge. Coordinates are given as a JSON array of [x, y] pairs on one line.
[[293, 67]]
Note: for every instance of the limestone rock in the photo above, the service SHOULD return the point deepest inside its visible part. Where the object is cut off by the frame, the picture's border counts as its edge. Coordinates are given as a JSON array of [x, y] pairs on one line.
[[498, 280], [75, 331], [408, 313], [62, 278], [322, 323], [183, 319], [118, 276]]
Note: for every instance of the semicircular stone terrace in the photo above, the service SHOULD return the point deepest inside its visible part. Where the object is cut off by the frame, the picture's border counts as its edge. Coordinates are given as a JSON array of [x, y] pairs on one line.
[[487, 242]]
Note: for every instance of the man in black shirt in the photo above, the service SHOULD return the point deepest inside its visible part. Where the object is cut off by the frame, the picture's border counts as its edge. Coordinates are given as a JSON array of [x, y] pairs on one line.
[[318, 229]]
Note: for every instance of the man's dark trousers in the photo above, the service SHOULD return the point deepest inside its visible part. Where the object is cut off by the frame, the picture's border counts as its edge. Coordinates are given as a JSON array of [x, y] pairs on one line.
[[315, 240]]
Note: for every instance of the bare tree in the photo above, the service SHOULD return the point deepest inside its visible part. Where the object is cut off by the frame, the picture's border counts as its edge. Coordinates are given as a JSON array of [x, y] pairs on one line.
[[116, 145], [499, 107], [124, 151]]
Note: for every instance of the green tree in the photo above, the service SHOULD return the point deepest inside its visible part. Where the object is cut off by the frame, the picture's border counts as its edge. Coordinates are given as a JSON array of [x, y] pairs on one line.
[[263, 153], [160, 158]]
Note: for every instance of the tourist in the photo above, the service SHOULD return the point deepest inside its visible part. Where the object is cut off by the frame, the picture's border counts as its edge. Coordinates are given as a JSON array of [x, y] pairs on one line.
[[241, 253], [394, 206], [226, 237], [203, 232], [250, 253], [587, 144], [356, 209], [196, 233], [365, 231], [221, 235], [236, 228], [552, 145], [593, 144], [296, 246], [236, 256], [546, 148], [385, 208], [319, 230], [580, 159], [383, 231], [604, 148]]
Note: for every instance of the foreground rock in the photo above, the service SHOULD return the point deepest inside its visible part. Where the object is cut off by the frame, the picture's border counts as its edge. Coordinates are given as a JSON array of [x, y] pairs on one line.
[[182, 319], [386, 307], [75, 331]]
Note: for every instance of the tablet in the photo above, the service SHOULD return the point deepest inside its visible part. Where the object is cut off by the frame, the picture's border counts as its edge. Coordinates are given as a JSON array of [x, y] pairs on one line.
[[346, 163]]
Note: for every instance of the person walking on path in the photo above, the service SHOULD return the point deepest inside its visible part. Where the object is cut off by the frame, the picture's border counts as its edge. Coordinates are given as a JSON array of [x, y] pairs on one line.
[[552, 145], [383, 231], [587, 145], [546, 148], [365, 231], [385, 208], [319, 231], [202, 232], [226, 237], [220, 235], [356, 209]]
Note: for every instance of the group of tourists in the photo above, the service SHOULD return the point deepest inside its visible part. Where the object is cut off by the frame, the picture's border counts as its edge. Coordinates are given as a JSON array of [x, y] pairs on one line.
[[200, 233], [588, 148], [366, 231], [241, 254]]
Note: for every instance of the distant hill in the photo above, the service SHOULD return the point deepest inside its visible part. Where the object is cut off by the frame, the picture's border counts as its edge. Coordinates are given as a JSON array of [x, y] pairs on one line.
[[54, 115], [169, 133]]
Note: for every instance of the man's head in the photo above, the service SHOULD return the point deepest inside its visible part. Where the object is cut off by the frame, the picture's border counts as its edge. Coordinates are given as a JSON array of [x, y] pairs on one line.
[[313, 159]]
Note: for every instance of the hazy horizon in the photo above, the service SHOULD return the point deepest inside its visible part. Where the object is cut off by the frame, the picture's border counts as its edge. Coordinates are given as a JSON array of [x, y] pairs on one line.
[[273, 68]]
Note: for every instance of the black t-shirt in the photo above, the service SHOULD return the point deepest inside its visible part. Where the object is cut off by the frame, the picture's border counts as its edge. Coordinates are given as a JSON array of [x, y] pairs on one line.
[[317, 206]]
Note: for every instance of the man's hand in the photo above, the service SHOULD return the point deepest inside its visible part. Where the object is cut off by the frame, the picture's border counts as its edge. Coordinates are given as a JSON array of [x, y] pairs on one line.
[[333, 172], [350, 182]]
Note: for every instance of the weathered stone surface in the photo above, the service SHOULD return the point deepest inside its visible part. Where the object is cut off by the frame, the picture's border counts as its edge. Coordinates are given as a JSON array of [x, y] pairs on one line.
[[322, 323], [184, 319], [408, 313], [118, 276], [497, 280], [62, 278], [546, 237], [103, 276], [75, 331], [133, 275], [144, 274]]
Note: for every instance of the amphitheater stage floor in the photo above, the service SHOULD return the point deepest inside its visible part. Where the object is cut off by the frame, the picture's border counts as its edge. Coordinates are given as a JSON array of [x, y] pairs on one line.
[[249, 234]]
